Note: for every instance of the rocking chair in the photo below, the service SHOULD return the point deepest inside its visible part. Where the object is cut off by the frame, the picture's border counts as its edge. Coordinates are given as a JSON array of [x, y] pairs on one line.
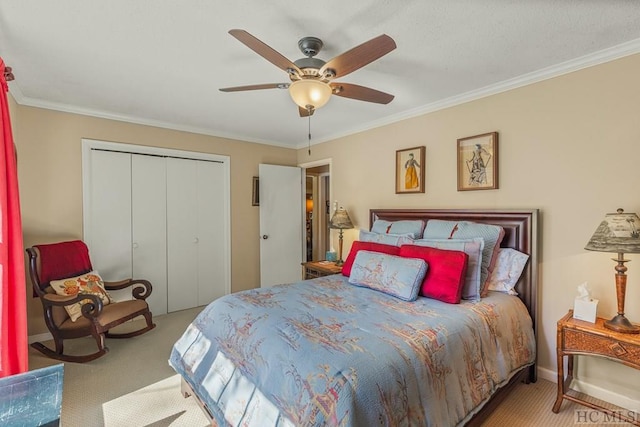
[[65, 260]]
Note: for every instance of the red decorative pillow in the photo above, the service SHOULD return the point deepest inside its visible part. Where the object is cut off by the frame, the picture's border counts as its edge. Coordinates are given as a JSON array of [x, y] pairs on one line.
[[367, 246], [446, 272]]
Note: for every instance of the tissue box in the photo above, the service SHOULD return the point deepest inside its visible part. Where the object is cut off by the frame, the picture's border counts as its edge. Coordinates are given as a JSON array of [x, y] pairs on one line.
[[585, 309]]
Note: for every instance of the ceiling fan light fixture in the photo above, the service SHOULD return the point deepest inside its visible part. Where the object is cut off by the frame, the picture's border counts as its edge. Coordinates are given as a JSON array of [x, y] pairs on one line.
[[310, 92]]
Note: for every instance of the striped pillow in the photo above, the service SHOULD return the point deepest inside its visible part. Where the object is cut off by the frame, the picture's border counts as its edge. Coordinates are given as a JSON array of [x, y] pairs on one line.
[[473, 248], [413, 227], [492, 235], [387, 239]]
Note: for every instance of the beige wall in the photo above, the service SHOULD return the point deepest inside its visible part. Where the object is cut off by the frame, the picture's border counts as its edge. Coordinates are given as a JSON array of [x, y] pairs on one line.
[[15, 117], [50, 174], [569, 146]]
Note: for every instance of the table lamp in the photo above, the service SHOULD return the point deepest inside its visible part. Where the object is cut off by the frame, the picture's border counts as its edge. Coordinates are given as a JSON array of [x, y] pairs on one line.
[[618, 232], [340, 221]]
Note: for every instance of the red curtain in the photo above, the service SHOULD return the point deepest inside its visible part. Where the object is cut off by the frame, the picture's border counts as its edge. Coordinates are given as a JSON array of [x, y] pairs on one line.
[[13, 299]]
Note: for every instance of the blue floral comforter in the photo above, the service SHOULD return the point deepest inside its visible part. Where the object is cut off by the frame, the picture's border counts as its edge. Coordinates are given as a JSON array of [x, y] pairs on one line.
[[323, 352]]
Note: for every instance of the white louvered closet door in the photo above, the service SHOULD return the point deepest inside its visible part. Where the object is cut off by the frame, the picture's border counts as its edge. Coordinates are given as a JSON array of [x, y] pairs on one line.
[[127, 230], [110, 217], [149, 230], [182, 234], [212, 274], [153, 214], [195, 226]]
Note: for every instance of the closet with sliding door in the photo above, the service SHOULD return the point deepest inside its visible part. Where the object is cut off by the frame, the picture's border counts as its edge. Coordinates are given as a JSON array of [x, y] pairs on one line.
[[161, 215]]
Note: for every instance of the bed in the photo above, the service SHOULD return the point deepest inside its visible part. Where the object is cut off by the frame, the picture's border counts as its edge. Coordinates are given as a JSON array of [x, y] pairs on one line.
[[325, 352]]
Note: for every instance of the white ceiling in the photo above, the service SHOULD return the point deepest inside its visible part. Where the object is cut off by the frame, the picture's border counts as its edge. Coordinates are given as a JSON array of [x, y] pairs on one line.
[[161, 62]]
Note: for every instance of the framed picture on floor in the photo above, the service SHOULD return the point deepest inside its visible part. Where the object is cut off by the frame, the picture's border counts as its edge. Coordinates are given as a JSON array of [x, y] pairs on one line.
[[410, 170], [478, 162]]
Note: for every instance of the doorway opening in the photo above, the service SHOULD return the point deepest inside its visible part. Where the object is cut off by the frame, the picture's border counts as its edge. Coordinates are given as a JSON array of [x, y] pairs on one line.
[[317, 208]]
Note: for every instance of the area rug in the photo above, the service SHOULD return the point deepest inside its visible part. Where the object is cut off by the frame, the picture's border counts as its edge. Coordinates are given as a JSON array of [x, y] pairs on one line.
[[158, 405]]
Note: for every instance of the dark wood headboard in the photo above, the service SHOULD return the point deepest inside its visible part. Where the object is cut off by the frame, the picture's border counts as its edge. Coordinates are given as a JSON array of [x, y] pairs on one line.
[[521, 233]]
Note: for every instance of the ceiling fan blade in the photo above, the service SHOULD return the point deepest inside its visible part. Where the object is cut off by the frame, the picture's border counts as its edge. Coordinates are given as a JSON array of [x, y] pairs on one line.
[[359, 56], [305, 113], [265, 51], [361, 93], [256, 87]]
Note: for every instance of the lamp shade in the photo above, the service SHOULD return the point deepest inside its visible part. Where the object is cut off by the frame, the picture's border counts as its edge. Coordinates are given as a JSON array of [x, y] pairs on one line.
[[310, 92], [340, 220], [618, 232]]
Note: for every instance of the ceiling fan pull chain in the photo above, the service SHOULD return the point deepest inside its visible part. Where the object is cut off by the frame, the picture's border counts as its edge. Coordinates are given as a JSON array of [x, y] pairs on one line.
[[309, 108]]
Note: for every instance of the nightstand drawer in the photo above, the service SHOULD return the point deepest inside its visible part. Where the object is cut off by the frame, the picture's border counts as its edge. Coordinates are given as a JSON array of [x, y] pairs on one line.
[[596, 344], [312, 274]]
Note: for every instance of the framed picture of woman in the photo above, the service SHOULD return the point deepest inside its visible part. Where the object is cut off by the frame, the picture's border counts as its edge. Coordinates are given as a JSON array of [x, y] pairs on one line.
[[478, 162], [410, 170]]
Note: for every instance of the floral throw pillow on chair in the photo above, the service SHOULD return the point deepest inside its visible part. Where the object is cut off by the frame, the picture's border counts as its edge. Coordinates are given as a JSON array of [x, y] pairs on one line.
[[89, 283]]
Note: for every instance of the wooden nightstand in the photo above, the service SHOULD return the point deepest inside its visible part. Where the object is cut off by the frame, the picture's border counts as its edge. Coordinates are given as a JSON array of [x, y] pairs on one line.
[[577, 337], [313, 269]]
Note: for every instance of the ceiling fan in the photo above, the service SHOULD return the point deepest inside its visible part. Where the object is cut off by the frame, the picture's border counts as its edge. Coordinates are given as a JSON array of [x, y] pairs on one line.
[[311, 78]]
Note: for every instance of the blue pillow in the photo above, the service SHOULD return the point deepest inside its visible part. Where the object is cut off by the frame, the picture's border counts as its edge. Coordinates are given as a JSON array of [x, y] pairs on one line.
[[396, 276], [413, 227], [387, 239], [472, 289], [492, 235]]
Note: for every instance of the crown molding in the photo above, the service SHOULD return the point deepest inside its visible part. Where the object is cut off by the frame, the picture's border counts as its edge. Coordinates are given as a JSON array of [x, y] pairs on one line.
[[606, 55], [67, 108]]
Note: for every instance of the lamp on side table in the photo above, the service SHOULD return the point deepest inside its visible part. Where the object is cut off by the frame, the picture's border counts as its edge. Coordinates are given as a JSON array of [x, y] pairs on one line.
[[619, 233], [340, 221]]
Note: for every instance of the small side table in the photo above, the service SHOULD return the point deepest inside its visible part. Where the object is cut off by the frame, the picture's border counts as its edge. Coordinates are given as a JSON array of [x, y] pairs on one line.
[[577, 337], [313, 269]]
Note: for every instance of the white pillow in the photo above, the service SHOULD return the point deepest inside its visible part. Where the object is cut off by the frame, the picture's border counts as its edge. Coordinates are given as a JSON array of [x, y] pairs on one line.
[[509, 266]]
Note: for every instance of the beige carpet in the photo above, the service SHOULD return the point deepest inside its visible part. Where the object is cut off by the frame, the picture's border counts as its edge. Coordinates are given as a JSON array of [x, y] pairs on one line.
[[133, 386], [157, 405]]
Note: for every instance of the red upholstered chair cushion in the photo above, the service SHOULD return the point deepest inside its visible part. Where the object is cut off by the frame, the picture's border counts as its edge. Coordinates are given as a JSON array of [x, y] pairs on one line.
[[63, 260], [367, 246], [446, 272]]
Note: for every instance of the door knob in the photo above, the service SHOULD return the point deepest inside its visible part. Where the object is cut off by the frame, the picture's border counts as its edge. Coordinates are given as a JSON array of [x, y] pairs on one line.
[[265, 237], [135, 246], [195, 240]]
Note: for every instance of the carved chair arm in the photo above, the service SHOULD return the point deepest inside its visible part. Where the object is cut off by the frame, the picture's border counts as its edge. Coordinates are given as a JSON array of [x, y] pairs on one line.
[[141, 288], [93, 308]]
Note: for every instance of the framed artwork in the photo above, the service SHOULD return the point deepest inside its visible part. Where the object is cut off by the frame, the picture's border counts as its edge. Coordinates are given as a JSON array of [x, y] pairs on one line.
[[255, 194], [478, 162], [410, 170]]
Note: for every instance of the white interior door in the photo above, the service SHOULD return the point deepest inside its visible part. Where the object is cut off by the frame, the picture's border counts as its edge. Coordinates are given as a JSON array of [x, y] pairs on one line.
[[109, 214], [182, 234], [281, 225], [149, 220]]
